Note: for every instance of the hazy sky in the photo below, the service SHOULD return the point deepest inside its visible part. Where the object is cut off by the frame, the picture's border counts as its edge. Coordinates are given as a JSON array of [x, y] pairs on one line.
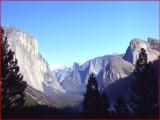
[[70, 32]]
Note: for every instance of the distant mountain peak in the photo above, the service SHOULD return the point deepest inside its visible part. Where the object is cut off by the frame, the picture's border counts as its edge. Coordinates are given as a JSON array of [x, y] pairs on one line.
[[75, 66], [115, 54], [56, 66], [151, 46]]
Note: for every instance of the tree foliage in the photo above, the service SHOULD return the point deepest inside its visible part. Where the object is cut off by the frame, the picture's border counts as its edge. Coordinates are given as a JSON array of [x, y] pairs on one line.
[[120, 106], [13, 85], [105, 103], [95, 103], [92, 97], [143, 97]]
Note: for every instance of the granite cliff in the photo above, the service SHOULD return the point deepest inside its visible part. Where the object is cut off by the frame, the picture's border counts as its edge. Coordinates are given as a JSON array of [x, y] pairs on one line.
[[151, 46], [109, 68], [36, 71], [34, 67], [65, 87]]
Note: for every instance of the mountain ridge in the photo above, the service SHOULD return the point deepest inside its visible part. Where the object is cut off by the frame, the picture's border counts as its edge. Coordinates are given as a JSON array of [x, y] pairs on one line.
[[66, 86], [36, 70], [100, 65]]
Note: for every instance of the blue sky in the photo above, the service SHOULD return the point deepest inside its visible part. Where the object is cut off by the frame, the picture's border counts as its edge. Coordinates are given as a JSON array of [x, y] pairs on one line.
[[70, 32]]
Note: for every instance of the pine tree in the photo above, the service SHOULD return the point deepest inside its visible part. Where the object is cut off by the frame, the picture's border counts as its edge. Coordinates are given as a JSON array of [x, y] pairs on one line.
[[155, 68], [105, 104], [13, 85], [120, 106], [91, 103], [143, 97]]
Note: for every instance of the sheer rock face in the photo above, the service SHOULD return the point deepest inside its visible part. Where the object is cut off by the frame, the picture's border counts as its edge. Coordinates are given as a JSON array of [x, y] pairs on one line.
[[111, 71], [17, 37], [154, 44], [77, 77], [33, 66], [120, 70], [109, 68], [151, 47], [42, 87], [117, 68]]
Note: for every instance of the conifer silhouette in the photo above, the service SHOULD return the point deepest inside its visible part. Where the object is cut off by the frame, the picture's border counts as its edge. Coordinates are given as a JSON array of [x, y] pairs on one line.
[[105, 104], [13, 85], [92, 97], [121, 107], [143, 97]]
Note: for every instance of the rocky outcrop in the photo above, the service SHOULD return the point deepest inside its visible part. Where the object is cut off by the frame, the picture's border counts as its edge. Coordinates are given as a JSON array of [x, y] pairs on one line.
[[154, 44], [76, 78], [117, 69], [109, 68], [122, 71], [33, 66], [34, 97], [61, 73], [63, 87], [151, 46], [42, 87]]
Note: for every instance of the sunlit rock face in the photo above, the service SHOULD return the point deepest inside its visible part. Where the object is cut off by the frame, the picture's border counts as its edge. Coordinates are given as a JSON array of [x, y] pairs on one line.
[[151, 46], [117, 69], [154, 44], [112, 71], [18, 37], [108, 68], [33, 66], [78, 75], [120, 70], [42, 87]]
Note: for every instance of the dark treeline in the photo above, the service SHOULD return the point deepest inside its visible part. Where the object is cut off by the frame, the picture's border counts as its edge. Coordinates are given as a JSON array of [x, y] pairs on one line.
[[40, 111], [143, 98], [143, 102]]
